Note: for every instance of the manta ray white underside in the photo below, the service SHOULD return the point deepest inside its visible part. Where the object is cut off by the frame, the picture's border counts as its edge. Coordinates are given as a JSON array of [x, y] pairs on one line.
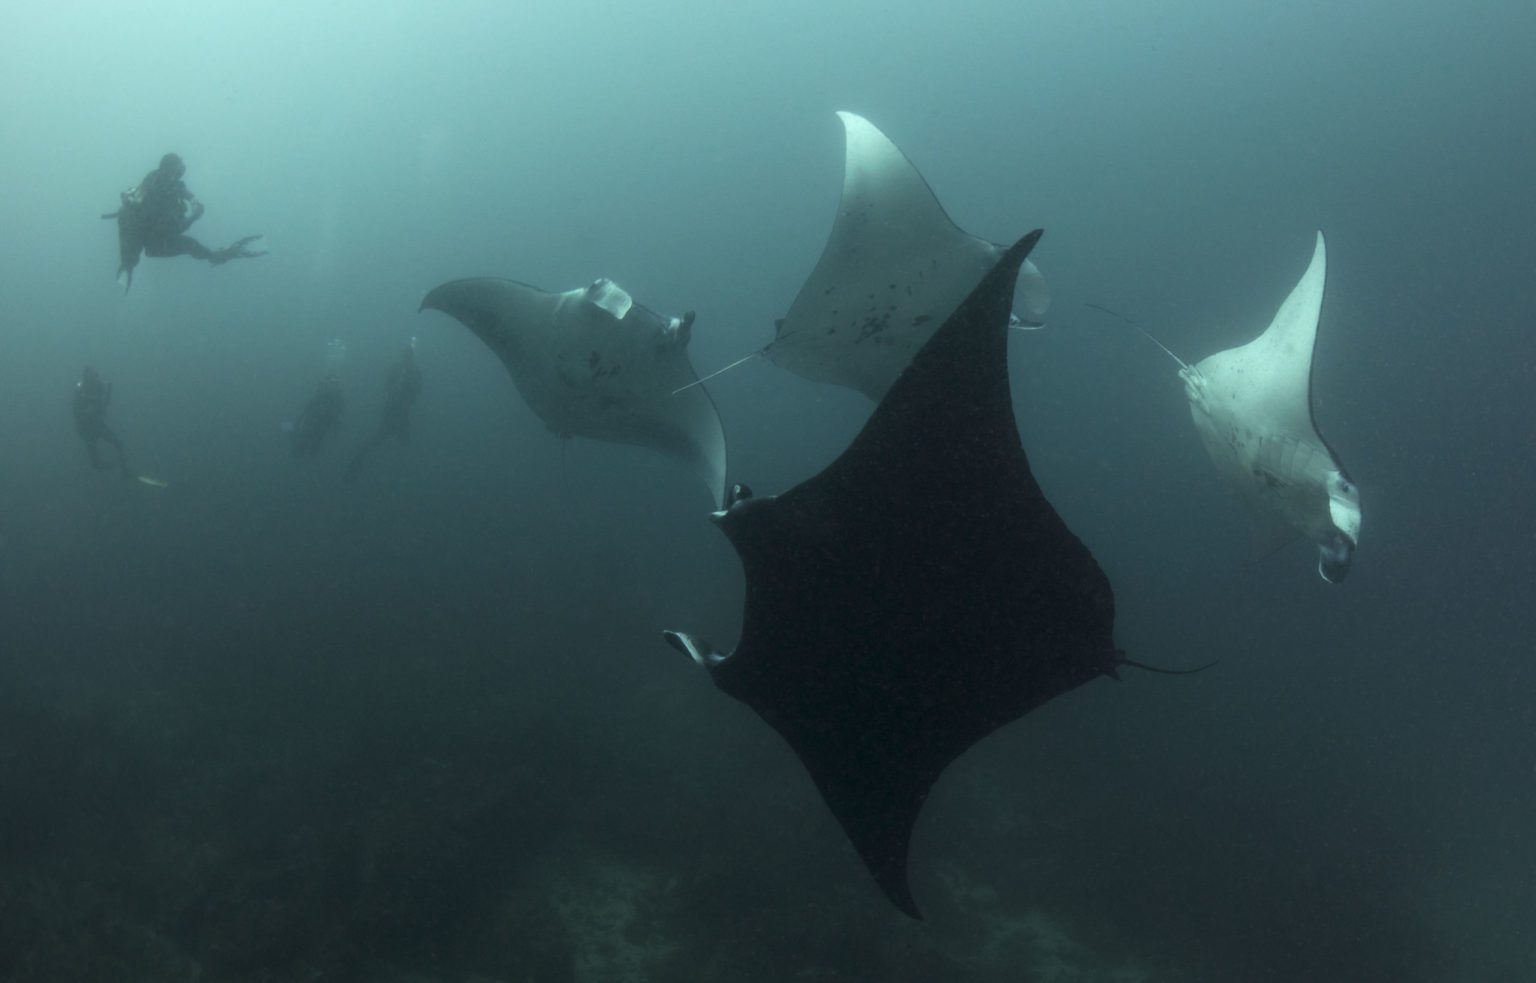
[[894, 267], [1253, 408], [593, 363]]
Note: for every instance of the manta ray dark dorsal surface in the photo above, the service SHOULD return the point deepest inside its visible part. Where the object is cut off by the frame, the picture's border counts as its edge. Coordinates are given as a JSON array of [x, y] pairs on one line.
[[917, 594]]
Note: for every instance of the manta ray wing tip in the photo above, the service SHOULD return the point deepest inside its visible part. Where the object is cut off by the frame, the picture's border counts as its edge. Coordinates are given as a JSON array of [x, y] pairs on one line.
[[902, 898], [1026, 243]]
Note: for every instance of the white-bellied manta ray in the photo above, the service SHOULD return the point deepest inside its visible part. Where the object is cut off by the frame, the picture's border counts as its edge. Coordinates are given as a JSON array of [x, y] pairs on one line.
[[895, 265], [1253, 408], [917, 594], [591, 362]]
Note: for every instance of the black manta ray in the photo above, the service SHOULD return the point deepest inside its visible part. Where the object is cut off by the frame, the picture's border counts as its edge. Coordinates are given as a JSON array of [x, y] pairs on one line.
[[917, 594]]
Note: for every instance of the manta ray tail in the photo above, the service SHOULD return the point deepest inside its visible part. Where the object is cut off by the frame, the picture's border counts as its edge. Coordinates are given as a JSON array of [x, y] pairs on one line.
[[700, 382], [1167, 672], [1144, 333]]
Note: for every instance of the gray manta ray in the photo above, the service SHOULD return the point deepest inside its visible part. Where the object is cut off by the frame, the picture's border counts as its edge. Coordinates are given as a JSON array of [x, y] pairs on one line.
[[893, 269], [593, 363], [917, 594], [1253, 408]]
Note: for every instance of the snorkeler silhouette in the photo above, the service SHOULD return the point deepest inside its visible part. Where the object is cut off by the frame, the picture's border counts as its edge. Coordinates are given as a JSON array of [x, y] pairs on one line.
[[154, 219]]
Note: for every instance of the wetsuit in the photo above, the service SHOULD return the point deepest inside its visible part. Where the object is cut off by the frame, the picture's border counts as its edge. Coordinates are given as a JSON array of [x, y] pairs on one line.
[[154, 219], [90, 405], [401, 388], [318, 419], [166, 210]]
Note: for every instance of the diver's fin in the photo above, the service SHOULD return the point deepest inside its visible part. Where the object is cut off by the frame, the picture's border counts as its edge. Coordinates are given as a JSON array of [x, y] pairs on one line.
[[238, 250]]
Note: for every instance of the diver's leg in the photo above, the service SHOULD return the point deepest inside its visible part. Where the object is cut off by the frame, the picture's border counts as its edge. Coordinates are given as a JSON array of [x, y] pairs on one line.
[[239, 249], [181, 245], [117, 447], [90, 451]]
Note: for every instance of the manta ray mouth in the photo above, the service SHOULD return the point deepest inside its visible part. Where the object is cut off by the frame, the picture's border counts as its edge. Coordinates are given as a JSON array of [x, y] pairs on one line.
[[1334, 558]]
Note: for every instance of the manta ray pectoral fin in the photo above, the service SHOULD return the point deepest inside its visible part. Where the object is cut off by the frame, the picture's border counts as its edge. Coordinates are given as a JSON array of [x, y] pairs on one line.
[[893, 268], [695, 648]]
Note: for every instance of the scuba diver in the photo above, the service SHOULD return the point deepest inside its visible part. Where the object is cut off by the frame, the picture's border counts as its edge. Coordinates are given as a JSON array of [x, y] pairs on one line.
[[401, 387], [154, 219], [318, 419], [90, 404]]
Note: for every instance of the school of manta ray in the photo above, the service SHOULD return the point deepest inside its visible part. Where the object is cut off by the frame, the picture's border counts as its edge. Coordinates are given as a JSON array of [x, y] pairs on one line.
[[920, 592]]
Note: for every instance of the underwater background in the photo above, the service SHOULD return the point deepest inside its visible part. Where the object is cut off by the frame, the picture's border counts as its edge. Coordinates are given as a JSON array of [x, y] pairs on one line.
[[264, 725]]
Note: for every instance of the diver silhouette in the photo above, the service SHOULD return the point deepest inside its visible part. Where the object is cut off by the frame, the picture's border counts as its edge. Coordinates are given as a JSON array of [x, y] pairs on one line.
[[90, 405], [401, 387], [154, 218], [318, 418]]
